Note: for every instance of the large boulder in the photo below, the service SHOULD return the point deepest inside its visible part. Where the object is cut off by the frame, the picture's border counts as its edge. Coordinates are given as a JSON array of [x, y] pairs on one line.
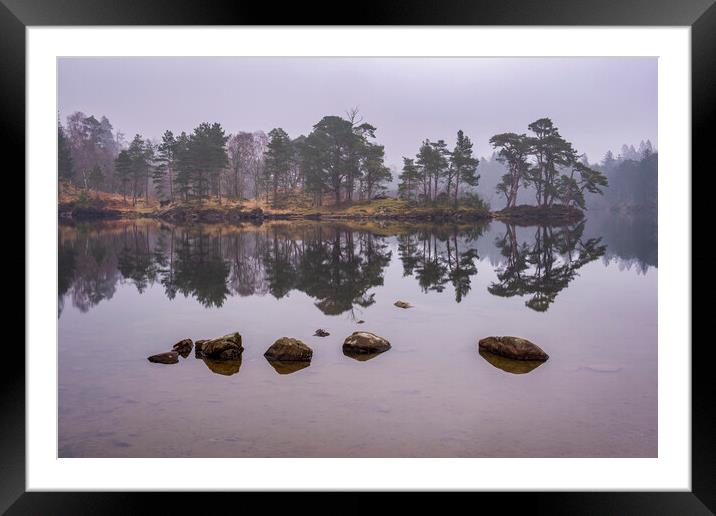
[[227, 347], [513, 347], [170, 357], [365, 342], [287, 349]]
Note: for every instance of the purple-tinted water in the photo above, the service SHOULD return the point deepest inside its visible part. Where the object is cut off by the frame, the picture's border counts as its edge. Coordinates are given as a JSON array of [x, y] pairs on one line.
[[586, 295]]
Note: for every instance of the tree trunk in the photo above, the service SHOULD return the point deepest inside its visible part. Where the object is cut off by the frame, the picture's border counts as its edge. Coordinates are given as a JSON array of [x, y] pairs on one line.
[[171, 184], [457, 187]]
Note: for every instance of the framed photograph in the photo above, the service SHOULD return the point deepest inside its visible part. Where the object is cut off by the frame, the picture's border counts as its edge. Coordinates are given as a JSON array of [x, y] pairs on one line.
[[440, 249]]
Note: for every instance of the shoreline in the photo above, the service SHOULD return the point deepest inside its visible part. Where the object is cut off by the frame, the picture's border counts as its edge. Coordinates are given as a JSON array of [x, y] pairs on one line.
[[388, 210]]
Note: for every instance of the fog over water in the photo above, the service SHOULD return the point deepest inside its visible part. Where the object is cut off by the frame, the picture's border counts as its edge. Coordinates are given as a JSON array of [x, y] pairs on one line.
[[598, 103]]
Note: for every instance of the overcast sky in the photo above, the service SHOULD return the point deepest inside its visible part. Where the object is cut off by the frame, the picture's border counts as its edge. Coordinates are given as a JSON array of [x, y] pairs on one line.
[[597, 103]]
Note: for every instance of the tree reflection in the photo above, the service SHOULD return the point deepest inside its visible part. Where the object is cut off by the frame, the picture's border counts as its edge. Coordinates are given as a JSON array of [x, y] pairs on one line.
[[438, 256], [542, 266], [337, 265]]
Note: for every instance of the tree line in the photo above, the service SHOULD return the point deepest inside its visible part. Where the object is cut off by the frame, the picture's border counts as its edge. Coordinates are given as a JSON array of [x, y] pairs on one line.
[[436, 172], [339, 159]]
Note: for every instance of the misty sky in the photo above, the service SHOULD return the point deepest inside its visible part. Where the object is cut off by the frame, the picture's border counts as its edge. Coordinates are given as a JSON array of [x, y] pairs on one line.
[[597, 103]]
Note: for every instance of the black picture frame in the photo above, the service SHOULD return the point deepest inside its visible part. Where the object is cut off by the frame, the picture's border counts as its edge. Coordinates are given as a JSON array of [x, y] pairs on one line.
[[700, 15]]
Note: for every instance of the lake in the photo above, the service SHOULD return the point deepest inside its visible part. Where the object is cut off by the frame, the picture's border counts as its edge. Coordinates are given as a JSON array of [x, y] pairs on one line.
[[586, 294]]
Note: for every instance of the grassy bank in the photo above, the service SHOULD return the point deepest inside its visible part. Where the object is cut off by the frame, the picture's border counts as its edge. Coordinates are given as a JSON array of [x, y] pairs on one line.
[[75, 203]]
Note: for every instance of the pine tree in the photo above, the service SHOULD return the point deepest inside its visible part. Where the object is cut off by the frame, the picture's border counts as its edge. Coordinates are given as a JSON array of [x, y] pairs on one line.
[[463, 163], [166, 158], [278, 160], [409, 180], [513, 152], [123, 171]]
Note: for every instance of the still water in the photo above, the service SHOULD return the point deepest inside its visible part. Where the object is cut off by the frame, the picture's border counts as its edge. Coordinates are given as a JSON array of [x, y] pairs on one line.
[[586, 294]]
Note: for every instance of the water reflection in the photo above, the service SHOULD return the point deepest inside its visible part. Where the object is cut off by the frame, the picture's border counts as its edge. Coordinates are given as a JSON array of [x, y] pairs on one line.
[[341, 267], [223, 367], [360, 357], [509, 365], [440, 255], [288, 366], [543, 264]]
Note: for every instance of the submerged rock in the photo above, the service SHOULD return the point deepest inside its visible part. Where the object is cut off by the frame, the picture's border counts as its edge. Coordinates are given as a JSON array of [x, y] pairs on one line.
[[223, 367], [510, 365], [183, 347], [403, 304], [287, 349], [320, 332], [513, 347], [364, 342], [170, 357], [288, 366], [227, 347]]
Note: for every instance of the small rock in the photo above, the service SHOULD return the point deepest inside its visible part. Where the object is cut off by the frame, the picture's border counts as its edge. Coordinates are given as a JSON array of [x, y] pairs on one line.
[[170, 357], [287, 349], [183, 347], [320, 332], [513, 347], [403, 304], [365, 342], [227, 347]]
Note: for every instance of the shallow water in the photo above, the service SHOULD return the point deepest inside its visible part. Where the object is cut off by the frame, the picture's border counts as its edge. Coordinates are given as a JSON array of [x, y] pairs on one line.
[[586, 294]]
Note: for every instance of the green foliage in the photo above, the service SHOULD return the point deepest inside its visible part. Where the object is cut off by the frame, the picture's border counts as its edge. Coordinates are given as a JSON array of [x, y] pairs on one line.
[[163, 173], [473, 200], [83, 199], [409, 180], [123, 170], [547, 162], [339, 155], [463, 164], [278, 161], [206, 151], [435, 175], [513, 152]]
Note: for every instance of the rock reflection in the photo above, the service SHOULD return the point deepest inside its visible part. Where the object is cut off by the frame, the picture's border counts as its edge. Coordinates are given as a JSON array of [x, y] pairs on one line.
[[287, 367], [510, 365], [223, 367], [361, 357]]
